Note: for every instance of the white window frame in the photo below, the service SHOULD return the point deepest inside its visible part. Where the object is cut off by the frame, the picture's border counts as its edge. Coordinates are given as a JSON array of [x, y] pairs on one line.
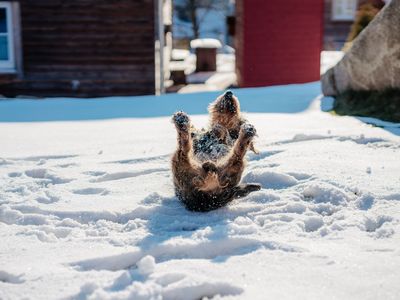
[[348, 8], [9, 66]]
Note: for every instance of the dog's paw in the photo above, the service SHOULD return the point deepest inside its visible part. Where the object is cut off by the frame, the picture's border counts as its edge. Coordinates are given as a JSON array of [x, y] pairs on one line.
[[181, 120], [249, 130]]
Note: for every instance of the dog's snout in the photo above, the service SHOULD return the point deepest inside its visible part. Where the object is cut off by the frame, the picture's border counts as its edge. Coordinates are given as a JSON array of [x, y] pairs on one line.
[[228, 95]]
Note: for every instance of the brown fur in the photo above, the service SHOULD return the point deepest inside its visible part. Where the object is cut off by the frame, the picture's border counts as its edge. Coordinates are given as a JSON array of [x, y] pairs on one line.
[[206, 184]]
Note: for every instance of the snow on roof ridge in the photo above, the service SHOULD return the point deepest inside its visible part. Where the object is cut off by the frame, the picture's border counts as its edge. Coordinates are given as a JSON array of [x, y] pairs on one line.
[[205, 43]]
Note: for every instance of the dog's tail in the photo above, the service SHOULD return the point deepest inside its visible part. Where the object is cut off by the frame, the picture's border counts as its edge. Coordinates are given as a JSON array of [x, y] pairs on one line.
[[243, 190]]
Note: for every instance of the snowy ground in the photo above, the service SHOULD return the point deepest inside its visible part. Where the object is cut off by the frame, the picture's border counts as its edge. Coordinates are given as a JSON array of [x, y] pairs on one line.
[[87, 209]]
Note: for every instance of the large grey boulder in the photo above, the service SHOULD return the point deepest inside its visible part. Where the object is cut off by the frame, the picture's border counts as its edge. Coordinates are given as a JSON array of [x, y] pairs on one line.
[[373, 62]]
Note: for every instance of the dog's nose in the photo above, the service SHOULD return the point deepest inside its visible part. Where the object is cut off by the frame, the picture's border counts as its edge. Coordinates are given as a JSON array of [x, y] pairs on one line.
[[228, 95]]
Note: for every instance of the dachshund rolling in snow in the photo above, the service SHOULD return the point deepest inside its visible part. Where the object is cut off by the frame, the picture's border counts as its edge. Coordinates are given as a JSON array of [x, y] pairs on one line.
[[208, 165]]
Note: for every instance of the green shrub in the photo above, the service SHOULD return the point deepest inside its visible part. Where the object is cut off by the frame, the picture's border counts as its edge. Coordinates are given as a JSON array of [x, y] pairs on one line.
[[384, 105]]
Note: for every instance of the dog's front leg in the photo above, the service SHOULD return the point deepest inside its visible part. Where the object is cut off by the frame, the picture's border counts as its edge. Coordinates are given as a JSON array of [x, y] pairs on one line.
[[232, 169], [182, 125], [183, 166]]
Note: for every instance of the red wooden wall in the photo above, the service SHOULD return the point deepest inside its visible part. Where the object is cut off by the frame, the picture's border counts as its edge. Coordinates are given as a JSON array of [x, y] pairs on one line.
[[278, 42]]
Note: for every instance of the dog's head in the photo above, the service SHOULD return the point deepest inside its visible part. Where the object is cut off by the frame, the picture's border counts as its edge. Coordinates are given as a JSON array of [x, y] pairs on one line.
[[226, 103]]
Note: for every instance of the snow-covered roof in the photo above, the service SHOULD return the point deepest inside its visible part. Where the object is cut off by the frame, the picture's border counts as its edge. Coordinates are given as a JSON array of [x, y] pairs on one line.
[[205, 43]]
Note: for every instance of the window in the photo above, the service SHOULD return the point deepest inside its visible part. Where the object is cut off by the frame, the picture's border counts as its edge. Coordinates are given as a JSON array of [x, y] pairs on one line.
[[7, 53], [343, 10]]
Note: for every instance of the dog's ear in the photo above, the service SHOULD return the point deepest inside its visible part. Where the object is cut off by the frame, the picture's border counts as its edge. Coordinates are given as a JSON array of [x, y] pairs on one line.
[[244, 189]]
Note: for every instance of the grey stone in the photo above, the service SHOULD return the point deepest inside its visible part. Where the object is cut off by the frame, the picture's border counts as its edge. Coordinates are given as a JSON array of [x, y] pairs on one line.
[[373, 62]]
